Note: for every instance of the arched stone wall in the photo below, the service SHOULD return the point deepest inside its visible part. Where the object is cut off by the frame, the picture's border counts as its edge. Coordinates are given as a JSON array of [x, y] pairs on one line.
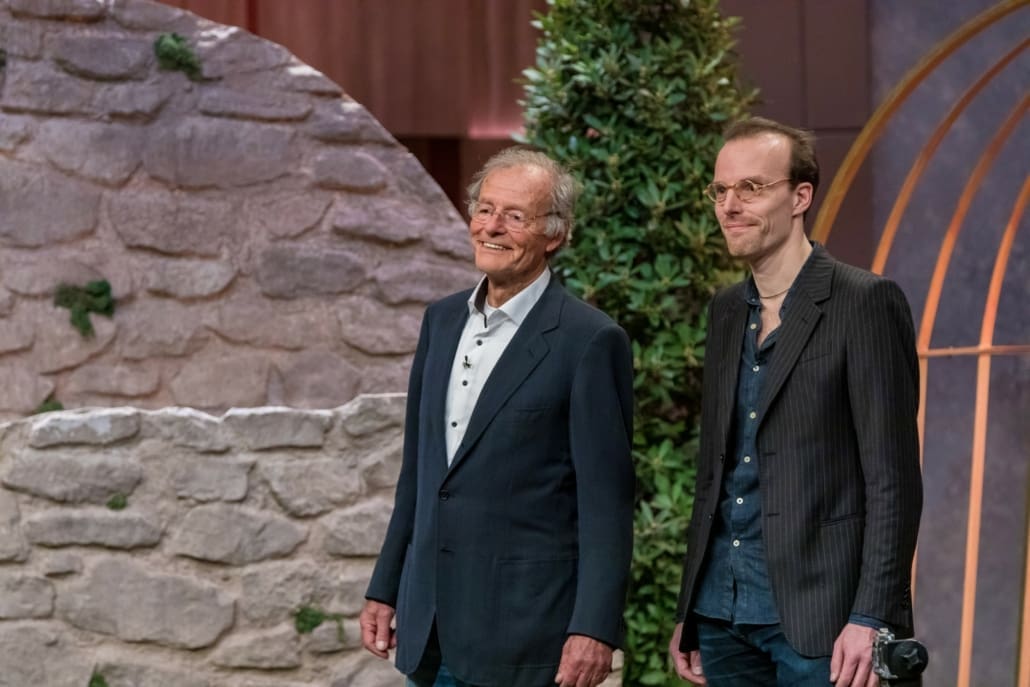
[[267, 241]]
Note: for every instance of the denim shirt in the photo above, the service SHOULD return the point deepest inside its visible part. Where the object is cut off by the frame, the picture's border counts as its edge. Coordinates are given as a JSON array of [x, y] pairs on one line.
[[734, 583]]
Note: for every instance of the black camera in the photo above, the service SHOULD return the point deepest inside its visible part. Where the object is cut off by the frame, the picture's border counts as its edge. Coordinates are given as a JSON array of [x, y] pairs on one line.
[[898, 662]]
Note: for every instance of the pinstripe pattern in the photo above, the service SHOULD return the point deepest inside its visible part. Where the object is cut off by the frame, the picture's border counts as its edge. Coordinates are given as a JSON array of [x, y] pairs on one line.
[[838, 452]]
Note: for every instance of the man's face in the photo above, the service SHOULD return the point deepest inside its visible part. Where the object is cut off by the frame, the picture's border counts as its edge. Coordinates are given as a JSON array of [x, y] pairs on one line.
[[507, 257], [756, 229]]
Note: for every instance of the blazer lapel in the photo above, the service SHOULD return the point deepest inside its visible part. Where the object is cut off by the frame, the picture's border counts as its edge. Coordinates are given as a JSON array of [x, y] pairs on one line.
[[525, 351], [731, 337], [813, 287]]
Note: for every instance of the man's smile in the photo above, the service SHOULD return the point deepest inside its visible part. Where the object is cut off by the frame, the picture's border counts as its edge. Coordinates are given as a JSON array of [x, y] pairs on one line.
[[493, 246]]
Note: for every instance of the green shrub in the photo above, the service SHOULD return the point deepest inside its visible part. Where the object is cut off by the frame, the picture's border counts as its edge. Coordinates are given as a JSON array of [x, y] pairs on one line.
[[97, 680], [118, 502], [49, 405], [632, 95], [94, 297], [174, 53], [307, 618]]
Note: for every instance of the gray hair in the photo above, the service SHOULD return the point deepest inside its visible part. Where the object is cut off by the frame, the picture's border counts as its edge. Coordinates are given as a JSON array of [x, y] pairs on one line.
[[564, 187]]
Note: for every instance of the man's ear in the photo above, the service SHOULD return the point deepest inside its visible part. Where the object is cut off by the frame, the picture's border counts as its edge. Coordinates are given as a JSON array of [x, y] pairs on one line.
[[802, 198]]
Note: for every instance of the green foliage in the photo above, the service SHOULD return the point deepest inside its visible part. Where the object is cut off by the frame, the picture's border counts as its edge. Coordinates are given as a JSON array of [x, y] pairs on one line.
[[175, 54], [307, 618], [632, 95], [82, 300], [118, 502], [49, 405], [97, 680]]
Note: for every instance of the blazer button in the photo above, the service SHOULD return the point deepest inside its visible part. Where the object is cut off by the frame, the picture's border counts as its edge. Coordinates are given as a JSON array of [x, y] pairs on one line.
[[444, 494]]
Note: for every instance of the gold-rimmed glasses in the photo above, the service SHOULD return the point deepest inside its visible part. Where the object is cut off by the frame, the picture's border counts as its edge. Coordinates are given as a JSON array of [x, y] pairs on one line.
[[746, 190], [511, 219]]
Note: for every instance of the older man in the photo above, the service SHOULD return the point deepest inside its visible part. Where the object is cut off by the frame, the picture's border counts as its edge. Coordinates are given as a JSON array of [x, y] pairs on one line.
[[808, 484], [507, 556]]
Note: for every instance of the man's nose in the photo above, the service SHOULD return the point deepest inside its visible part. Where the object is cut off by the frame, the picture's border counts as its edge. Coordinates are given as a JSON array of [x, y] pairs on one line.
[[731, 204], [494, 223]]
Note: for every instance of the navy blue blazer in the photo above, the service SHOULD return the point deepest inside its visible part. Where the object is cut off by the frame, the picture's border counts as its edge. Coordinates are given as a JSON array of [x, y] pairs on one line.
[[527, 537]]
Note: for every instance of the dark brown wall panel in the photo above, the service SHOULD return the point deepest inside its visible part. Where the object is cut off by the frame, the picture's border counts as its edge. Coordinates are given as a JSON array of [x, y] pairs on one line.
[[440, 69], [836, 64], [770, 48], [852, 237], [504, 44], [404, 60]]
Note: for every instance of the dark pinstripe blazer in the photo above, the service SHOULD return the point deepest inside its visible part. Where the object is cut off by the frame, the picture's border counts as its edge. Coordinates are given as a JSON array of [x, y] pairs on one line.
[[838, 452]]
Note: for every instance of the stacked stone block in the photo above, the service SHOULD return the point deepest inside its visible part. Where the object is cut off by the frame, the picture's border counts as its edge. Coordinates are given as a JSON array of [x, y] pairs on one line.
[[267, 241], [232, 525]]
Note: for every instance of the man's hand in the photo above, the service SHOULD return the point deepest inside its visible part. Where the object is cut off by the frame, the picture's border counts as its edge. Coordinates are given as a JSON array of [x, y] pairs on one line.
[[585, 662], [688, 665], [376, 634], [852, 661]]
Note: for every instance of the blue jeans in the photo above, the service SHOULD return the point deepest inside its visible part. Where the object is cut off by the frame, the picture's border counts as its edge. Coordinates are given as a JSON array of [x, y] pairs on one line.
[[755, 656]]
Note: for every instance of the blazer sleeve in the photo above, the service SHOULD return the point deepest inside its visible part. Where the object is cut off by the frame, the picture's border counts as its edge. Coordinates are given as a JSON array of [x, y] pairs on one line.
[[386, 577], [883, 387], [600, 436]]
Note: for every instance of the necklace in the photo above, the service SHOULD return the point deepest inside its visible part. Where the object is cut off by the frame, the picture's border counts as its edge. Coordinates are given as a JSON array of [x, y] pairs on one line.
[[773, 295]]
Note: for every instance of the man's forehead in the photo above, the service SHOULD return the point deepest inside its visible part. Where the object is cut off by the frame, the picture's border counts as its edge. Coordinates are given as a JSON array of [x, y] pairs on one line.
[[529, 181], [763, 152]]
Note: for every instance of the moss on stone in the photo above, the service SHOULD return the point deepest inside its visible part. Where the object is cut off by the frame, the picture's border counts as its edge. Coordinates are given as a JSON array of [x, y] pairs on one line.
[[173, 53]]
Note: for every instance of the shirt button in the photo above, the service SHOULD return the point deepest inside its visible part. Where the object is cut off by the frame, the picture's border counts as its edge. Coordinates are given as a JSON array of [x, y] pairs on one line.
[[747, 459], [755, 368], [753, 326], [464, 382], [454, 424], [736, 543], [479, 342], [739, 500], [752, 415]]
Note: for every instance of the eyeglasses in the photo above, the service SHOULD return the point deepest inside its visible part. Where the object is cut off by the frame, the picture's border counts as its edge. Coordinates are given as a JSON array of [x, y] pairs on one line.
[[513, 220], [746, 190]]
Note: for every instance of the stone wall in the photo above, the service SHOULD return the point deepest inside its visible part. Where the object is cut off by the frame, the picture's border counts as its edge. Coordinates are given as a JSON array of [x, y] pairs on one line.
[[232, 525], [267, 241]]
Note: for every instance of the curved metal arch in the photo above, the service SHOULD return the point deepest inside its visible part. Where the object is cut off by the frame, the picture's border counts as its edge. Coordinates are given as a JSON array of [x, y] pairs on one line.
[[979, 448], [878, 122], [923, 159]]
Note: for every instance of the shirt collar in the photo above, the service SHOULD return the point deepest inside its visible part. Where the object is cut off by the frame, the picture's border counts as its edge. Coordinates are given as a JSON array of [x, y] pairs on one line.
[[518, 306], [751, 289]]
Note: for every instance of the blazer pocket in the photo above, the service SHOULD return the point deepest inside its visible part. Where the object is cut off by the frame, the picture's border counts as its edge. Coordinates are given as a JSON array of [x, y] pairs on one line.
[[525, 423], [536, 599], [841, 519], [814, 354]]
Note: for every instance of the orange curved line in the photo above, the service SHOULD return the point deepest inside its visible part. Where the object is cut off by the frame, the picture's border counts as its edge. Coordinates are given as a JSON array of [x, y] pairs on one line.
[[980, 433], [954, 351], [979, 455], [1001, 264], [878, 122], [1024, 639], [933, 295], [900, 205], [890, 229]]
